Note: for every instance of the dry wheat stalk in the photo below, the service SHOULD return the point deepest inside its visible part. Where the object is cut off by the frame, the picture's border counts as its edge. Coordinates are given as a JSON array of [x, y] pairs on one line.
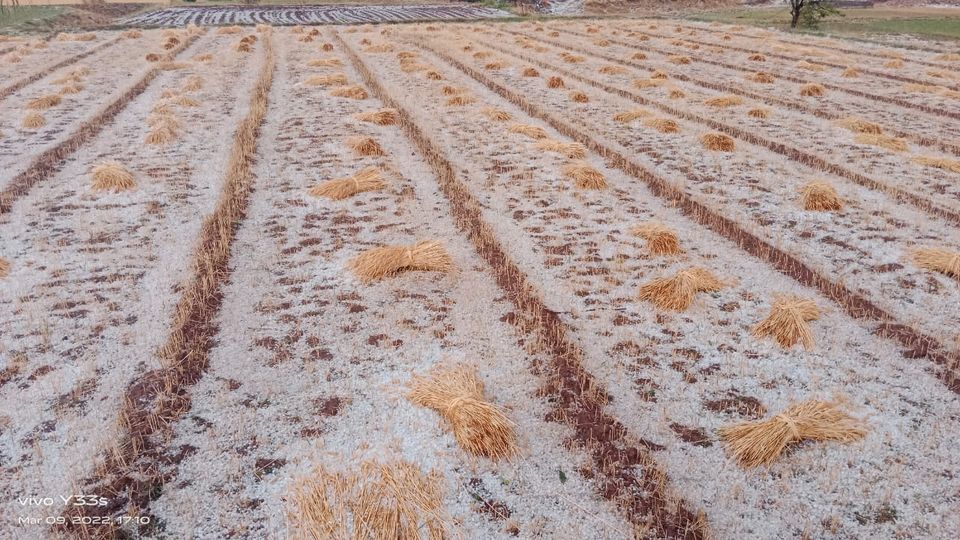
[[366, 179], [723, 101], [938, 260], [812, 90], [859, 125], [631, 115], [534, 132], [382, 501], [787, 322], [717, 141], [555, 82], [33, 120], [530, 72], [495, 114], [938, 162], [820, 197], [44, 102], [325, 62], [648, 83], [883, 141], [352, 92], [381, 117], [365, 146], [584, 176], [571, 150], [612, 70], [760, 443], [759, 112], [579, 97], [335, 79], [377, 263], [803, 64], [460, 100], [663, 125], [678, 291], [660, 239], [111, 176], [762, 77], [456, 392]]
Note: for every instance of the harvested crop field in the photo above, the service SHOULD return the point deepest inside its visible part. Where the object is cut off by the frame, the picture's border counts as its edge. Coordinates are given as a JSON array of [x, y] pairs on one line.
[[563, 279]]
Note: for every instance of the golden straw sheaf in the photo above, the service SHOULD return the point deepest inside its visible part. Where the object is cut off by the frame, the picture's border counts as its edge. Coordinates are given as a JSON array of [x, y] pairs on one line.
[[381, 117], [33, 120], [385, 261], [939, 260], [787, 322], [5, 267], [859, 125], [629, 116], [534, 132], [352, 92], [456, 392], [938, 163], [660, 240], [495, 114], [678, 291], [572, 150], [382, 501], [760, 443], [718, 142], [366, 179], [111, 176], [723, 101], [44, 102], [336, 79], [584, 176], [820, 197], [365, 146], [663, 125], [883, 141]]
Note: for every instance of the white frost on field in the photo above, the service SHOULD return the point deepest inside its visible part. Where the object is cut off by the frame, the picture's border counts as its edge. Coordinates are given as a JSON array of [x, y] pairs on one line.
[[298, 330], [661, 367], [89, 300]]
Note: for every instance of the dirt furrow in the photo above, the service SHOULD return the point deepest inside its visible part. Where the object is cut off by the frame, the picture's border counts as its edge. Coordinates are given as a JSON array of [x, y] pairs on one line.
[[630, 475], [916, 343], [825, 113], [127, 474], [51, 160]]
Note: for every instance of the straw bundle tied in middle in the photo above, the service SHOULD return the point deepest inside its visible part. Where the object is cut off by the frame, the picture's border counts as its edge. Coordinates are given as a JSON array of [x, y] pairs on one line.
[[456, 392], [677, 292], [384, 261], [761, 442], [366, 179], [787, 322]]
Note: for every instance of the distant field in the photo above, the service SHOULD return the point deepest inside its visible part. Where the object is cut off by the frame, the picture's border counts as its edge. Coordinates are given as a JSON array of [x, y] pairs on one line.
[[582, 279], [936, 23]]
